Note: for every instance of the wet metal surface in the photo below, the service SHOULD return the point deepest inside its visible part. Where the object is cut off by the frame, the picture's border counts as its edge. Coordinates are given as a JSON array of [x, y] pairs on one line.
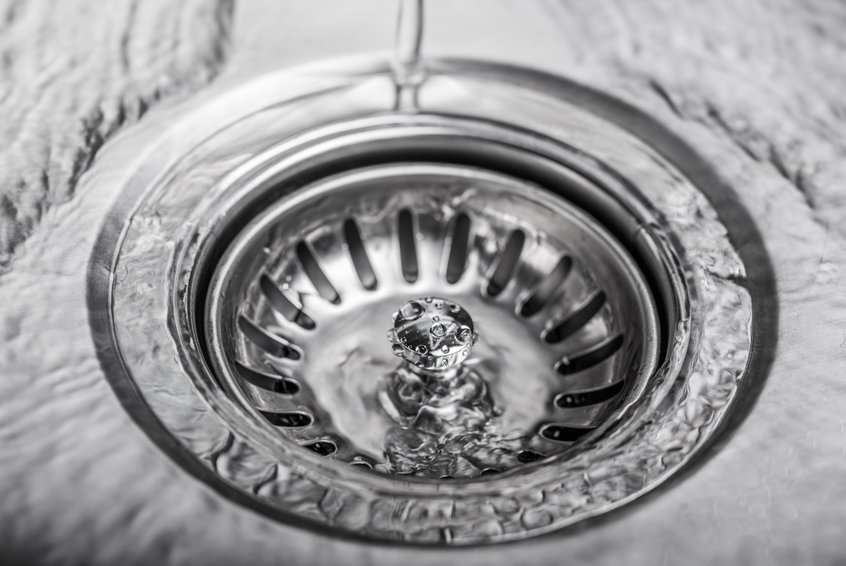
[[182, 221], [756, 89], [412, 222]]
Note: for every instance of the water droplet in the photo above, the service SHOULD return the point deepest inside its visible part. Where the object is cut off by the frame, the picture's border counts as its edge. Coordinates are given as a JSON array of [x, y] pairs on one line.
[[454, 308], [422, 349], [438, 329], [464, 334], [428, 299], [411, 310], [436, 318], [390, 336], [445, 349]]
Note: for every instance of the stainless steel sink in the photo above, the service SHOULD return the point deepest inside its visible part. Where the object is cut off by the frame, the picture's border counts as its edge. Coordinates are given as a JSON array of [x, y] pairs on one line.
[[196, 346]]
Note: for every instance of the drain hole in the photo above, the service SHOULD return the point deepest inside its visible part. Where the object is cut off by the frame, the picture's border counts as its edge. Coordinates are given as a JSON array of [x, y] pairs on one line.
[[588, 396], [564, 433], [275, 383], [284, 305], [576, 320], [526, 456], [315, 273], [291, 419], [271, 343], [359, 255], [408, 249], [459, 248], [547, 287], [322, 447], [589, 358], [507, 262]]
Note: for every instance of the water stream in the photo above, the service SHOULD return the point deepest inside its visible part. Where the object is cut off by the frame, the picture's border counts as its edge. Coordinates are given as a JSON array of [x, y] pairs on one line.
[[409, 70]]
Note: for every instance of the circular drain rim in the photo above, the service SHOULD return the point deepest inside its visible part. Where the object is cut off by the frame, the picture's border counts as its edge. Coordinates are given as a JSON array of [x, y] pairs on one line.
[[128, 368], [224, 312], [350, 143]]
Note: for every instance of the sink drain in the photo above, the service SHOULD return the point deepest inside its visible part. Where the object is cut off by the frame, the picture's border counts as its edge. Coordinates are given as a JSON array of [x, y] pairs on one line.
[[566, 319], [299, 304]]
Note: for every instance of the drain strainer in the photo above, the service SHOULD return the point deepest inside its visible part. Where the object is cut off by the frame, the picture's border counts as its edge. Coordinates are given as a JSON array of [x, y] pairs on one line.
[[439, 326], [299, 305]]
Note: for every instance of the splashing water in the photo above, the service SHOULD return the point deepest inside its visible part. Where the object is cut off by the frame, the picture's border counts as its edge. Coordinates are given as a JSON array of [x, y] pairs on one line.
[[446, 428]]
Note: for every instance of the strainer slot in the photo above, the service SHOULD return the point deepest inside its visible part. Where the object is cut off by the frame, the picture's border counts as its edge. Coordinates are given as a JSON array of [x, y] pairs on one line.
[[576, 320], [507, 263], [358, 254], [288, 419], [526, 456], [587, 397], [547, 287], [322, 447], [589, 358], [283, 305], [315, 273], [564, 433], [273, 344], [407, 245], [275, 383], [459, 248]]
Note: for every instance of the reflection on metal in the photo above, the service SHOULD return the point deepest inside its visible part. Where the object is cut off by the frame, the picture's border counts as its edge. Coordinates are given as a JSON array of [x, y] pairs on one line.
[[269, 261], [434, 335], [447, 225]]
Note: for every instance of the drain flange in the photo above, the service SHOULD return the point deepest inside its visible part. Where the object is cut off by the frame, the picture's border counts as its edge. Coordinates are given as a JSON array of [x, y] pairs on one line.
[[601, 283]]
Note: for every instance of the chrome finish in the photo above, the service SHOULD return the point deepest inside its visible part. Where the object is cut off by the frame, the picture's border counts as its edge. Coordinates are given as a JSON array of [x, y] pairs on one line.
[[301, 295], [433, 334], [248, 411]]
